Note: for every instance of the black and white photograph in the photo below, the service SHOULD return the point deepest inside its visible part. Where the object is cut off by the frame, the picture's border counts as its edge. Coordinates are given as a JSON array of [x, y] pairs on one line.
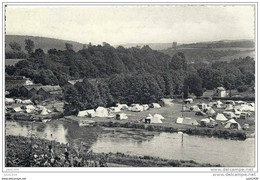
[[97, 86]]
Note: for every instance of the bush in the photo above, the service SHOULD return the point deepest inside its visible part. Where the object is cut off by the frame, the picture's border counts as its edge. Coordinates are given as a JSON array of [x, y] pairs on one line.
[[242, 88]]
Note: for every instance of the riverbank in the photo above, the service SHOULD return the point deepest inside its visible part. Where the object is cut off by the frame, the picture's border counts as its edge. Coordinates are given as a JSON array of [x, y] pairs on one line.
[[219, 133], [31, 152]]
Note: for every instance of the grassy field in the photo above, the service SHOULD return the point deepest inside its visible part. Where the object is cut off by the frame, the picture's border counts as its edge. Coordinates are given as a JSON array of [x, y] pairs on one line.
[[171, 113]]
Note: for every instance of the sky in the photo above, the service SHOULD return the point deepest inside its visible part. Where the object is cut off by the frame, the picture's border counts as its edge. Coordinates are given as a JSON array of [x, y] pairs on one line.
[[133, 24]]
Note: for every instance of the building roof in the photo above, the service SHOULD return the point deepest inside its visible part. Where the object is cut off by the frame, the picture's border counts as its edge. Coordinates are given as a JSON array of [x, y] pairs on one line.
[[50, 88]]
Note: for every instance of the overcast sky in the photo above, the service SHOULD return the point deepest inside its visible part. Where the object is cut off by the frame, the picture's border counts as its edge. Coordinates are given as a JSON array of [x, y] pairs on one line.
[[133, 24]]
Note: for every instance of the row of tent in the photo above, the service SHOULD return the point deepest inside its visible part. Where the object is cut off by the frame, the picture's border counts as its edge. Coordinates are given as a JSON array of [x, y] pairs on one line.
[[29, 109], [229, 124], [17, 101], [107, 112]]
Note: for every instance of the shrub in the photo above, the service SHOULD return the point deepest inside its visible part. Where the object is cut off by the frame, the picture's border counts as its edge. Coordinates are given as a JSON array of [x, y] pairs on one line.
[[242, 88]]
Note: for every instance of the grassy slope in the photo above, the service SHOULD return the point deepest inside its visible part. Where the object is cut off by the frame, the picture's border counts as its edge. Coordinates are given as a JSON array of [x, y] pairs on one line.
[[212, 54], [41, 42]]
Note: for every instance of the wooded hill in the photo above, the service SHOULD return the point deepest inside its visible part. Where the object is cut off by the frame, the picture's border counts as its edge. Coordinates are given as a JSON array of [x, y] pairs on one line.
[[134, 75]]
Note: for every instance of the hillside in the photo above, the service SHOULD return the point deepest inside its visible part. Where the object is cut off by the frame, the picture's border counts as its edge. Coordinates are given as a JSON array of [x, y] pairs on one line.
[[41, 42], [214, 51]]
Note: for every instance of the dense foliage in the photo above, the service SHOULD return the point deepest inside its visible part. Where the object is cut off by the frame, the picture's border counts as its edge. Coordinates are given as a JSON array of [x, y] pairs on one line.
[[134, 75]]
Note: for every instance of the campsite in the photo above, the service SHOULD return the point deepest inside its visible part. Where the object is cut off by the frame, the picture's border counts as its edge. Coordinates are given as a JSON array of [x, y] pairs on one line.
[[129, 86]]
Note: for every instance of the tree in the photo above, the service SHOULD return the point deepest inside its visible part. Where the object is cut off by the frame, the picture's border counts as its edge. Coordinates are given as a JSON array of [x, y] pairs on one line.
[[193, 84], [68, 46], [29, 46], [178, 62], [15, 46]]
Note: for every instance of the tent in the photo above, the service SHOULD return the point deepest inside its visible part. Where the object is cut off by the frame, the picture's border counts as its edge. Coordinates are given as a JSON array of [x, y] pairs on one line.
[[91, 113], [230, 102], [211, 111], [101, 112], [121, 116], [195, 108], [186, 120], [229, 114], [18, 101], [232, 124], [219, 102], [28, 101], [212, 104], [200, 113], [221, 117], [146, 107], [240, 102], [115, 109], [229, 107], [18, 109], [156, 105], [186, 109], [29, 108], [44, 111], [9, 100], [202, 106], [82, 113], [136, 108], [157, 119], [188, 101], [219, 106], [122, 106]]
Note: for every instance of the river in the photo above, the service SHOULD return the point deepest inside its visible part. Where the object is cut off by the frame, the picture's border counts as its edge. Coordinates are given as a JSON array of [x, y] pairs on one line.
[[139, 142]]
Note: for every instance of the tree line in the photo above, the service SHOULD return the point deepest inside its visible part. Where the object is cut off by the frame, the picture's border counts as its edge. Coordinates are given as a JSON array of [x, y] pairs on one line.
[[133, 75]]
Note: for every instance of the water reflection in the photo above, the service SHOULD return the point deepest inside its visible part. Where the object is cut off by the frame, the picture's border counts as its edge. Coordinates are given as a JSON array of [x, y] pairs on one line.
[[169, 146]]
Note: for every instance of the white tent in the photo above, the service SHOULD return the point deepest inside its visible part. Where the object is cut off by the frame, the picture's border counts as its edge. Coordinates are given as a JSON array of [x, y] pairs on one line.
[[240, 102], [122, 106], [101, 112], [232, 124], [136, 108], [121, 116], [211, 104], [159, 116], [18, 101], [18, 109], [146, 107], [219, 102], [221, 117], [44, 111], [9, 100], [156, 105], [195, 108], [28, 101], [229, 114], [157, 119], [229, 107], [203, 106], [91, 113], [186, 120], [206, 120], [115, 109], [29, 108], [211, 111], [188, 101], [82, 113]]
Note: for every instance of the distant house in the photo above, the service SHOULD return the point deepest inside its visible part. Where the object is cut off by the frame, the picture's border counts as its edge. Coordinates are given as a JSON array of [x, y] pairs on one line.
[[220, 92], [16, 81], [45, 91], [49, 91]]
